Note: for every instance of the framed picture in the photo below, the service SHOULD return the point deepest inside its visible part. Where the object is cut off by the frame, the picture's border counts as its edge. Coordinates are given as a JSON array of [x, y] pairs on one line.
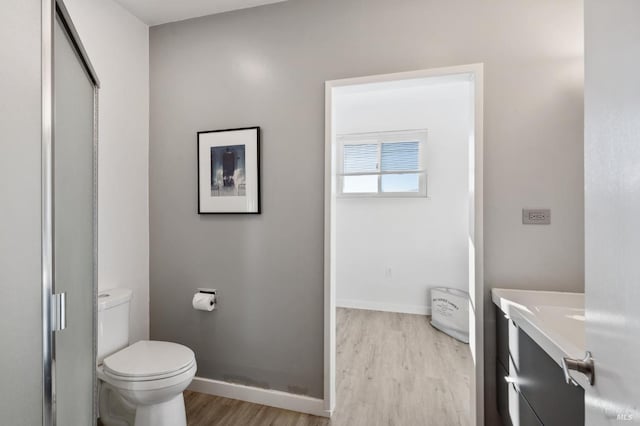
[[229, 171]]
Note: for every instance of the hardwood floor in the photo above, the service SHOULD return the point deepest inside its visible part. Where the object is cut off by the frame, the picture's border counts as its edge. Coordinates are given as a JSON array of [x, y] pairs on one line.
[[392, 369], [205, 410]]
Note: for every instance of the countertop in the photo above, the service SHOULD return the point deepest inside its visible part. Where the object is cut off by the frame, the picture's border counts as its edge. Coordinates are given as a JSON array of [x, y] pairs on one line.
[[553, 319]]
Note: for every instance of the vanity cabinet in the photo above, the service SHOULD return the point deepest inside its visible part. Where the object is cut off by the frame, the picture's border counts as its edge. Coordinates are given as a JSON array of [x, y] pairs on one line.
[[530, 385]]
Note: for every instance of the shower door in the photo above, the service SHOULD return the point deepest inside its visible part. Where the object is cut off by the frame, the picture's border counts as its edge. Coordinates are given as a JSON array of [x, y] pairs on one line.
[[72, 214]]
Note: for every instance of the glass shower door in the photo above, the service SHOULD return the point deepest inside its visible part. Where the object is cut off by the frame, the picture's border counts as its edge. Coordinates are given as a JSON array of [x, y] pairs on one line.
[[74, 228]]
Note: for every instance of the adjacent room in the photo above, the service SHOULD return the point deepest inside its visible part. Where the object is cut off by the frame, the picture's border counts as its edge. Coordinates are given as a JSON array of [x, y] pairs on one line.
[[319, 212], [402, 192]]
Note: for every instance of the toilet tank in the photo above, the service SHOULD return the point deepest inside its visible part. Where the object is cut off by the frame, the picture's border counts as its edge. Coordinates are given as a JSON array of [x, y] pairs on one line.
[[113, 321]]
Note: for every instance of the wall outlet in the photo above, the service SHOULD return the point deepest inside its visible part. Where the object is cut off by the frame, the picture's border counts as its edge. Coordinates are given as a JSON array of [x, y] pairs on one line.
[[536, 216]]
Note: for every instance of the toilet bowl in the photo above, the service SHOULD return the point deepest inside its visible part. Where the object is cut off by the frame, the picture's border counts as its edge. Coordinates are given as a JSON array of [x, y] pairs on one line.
[[140, 384]]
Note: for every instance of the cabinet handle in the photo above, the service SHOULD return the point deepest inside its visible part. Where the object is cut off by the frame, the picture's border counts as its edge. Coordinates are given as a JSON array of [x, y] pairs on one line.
[[512, 381], [584, 366]]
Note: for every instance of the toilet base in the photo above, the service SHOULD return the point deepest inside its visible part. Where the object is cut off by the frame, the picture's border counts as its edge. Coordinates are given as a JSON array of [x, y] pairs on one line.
[[169, 413], [113, 410]]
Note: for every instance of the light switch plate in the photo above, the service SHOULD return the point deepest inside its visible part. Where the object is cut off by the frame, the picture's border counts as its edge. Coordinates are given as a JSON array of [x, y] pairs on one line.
[[536, 216]]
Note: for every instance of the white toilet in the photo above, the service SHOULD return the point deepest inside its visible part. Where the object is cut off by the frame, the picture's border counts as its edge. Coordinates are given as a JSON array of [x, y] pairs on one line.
[[140, 384]]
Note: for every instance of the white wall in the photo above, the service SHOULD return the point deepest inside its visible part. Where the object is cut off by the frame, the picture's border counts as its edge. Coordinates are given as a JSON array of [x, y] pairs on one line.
[[118, 45], [20, 215], [390, 251]]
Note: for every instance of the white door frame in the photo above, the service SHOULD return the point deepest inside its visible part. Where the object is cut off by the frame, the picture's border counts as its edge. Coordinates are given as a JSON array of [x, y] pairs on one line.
[[476, 270]]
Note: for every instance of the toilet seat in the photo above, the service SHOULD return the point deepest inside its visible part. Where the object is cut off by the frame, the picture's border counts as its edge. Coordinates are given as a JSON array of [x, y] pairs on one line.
[[149, 360], [148, 365], [126, 384], [148, 378]]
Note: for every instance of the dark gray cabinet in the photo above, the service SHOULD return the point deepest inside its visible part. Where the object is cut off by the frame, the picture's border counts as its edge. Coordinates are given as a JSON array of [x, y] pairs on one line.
[[530, 385]]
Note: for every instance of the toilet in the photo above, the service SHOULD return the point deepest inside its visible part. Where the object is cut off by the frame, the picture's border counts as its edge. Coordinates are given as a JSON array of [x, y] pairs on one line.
[[139, 384]]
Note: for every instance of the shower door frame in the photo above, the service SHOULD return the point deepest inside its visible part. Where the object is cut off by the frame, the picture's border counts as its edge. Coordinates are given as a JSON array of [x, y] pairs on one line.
[[51, 10]]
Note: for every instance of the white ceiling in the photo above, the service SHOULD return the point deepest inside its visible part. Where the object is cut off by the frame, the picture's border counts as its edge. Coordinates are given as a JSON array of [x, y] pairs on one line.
[[155, 12]]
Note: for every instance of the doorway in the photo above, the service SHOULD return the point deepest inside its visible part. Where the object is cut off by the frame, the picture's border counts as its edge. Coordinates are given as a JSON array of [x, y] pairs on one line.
[[338, 181]]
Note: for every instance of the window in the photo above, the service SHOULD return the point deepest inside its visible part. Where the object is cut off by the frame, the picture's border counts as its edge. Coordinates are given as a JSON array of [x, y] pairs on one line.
[[382, 164]]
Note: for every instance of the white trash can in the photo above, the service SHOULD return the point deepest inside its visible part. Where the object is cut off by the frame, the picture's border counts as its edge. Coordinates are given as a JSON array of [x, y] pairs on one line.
[[450, 312]]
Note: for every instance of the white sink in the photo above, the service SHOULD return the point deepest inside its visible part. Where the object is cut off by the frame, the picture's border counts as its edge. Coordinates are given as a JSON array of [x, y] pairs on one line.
[[564, 321], [554, 320]]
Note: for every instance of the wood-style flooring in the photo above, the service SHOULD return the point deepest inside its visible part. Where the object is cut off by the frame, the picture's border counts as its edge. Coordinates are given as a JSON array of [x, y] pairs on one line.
[[392, 369]]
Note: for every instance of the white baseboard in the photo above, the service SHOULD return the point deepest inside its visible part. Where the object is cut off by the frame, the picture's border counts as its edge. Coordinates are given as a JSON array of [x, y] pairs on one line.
[[385, 307], [270, 397]]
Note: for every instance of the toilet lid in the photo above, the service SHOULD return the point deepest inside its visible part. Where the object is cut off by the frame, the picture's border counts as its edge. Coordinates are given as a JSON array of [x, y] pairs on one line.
[[149, 359]]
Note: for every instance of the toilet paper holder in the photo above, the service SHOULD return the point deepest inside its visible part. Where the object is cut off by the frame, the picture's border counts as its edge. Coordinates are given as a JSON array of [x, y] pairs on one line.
[[209, 291], [205, 299]]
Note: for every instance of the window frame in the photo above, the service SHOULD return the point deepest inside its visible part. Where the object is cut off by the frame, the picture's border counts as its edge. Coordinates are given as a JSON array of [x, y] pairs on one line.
[[379, 138]]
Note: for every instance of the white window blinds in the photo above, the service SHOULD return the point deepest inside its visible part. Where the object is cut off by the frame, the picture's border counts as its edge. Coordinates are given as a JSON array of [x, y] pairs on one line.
[[360, 158], [386, 163], [400, 157]]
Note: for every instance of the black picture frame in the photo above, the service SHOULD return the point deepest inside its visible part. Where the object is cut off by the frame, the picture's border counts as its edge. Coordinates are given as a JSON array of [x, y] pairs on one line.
[[227, 194]]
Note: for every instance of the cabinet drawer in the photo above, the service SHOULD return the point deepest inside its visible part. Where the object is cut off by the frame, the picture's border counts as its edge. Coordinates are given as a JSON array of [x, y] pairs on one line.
[[502, 338], [527, 416], [542, 384], [513, 408], [502, 394], [540, 381]]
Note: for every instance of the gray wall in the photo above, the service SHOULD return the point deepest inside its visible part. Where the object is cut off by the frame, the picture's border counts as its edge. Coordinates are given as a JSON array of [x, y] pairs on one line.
[[20, 285], [266, 66]]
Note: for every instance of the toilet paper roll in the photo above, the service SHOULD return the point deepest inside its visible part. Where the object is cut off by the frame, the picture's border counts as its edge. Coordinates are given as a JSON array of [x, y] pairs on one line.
[[204, 302]]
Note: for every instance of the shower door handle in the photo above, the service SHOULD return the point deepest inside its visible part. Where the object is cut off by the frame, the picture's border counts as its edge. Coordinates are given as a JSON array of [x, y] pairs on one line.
[[59, 311]]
